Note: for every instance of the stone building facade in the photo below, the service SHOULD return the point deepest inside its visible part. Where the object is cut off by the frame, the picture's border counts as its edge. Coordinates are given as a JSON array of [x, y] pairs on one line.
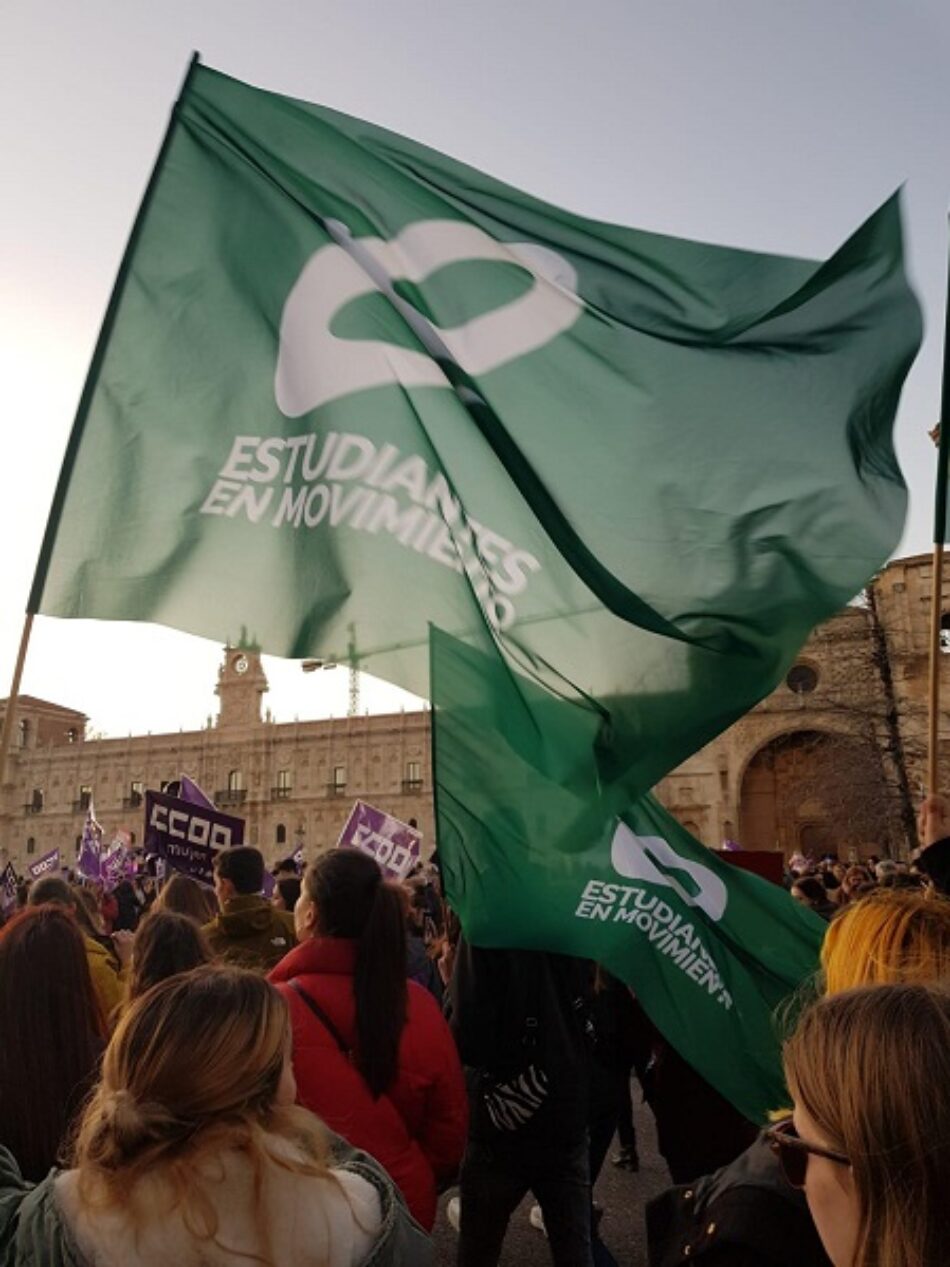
[[833, 759]]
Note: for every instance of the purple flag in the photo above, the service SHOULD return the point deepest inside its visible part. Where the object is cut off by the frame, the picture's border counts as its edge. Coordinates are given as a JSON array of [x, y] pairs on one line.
[[8, 891], [192, 793], [90, 850], [394, 844], [187, 836], [43, 866], [112, 865], [269, 885]]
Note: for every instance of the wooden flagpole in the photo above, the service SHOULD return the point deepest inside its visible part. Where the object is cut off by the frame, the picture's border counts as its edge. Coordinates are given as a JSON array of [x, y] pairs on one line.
[[940, 536]]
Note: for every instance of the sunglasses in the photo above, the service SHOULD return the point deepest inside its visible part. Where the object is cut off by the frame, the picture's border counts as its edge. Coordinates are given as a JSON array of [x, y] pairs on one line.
[[793, 1152]]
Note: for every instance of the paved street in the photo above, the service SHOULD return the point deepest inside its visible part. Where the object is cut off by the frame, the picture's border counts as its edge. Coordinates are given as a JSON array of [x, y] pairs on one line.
[[622, 1195]]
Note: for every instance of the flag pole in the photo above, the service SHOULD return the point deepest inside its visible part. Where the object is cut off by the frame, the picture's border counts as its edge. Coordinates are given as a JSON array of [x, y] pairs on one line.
[[6, 734], [936, 592]]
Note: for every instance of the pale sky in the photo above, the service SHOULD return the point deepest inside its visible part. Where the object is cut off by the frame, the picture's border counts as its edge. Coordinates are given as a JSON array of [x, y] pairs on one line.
[[754, 123]]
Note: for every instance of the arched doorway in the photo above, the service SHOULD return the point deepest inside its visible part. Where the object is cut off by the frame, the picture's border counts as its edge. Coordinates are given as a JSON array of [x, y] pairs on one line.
[[819, 793]]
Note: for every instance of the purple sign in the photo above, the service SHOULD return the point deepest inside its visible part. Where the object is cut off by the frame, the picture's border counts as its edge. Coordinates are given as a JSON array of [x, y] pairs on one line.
[[43, 866], [394, 844], [8, 890], [188, 836]]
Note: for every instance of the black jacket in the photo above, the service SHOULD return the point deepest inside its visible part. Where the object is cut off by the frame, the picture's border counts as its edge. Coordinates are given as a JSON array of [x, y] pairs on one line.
[[744, 1215], [515, 1010]]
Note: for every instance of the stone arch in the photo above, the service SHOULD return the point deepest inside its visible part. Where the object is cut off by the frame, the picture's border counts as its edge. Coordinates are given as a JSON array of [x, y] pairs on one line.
[[816, 790]]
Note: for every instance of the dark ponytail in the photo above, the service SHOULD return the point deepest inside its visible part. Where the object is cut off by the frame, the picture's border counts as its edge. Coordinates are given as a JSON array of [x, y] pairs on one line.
[[354, 901]]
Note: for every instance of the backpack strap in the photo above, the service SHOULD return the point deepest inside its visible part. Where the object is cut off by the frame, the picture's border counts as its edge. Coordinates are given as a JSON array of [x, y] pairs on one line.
[[324, 1020]]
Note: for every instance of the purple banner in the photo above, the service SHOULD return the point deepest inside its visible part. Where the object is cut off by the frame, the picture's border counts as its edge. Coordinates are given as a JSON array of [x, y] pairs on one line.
[[188, 836], [90, 849], [269, 885], [8, 890], [394, 844], [45, 865]]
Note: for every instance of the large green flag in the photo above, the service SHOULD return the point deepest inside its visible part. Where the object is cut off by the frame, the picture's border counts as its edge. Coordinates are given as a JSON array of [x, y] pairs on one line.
[[347, 386], [538, 852], [348, 389]]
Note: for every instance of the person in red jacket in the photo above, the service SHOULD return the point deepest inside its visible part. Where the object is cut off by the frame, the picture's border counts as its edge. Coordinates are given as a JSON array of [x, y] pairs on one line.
[[372, 1054]]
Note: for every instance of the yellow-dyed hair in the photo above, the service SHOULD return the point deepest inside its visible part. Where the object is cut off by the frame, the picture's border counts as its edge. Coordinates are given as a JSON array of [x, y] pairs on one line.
[[888, 937]]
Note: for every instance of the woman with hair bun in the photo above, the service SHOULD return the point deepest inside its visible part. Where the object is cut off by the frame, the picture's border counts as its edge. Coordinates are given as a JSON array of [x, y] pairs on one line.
[[192, 1152], [869, 1139], [372, 1054]]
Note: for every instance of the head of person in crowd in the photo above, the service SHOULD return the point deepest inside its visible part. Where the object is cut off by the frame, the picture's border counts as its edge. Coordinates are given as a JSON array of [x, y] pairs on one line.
[[238, 872], [185, 896], [885, 869], [197, 1070], [345, 895], [286, 892], [892, 935], [854, 877], [166, 943], [810, 891], [53, 1033], [82, 902], [286, 868], [869, 1073]]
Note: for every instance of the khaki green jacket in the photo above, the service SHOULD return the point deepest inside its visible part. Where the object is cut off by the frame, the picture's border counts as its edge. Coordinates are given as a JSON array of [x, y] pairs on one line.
[[251, 933]]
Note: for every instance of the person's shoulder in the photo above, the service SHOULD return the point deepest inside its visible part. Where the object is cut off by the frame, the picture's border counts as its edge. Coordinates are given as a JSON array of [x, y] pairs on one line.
[[337, 1217]]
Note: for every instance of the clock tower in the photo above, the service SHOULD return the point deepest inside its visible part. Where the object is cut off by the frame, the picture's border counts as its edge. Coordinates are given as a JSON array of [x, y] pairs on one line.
[[241, 683]]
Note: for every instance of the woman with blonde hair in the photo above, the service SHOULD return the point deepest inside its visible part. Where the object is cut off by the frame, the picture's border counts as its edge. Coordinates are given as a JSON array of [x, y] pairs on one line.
[[192, 1151], [869, 1140], [891, 936]]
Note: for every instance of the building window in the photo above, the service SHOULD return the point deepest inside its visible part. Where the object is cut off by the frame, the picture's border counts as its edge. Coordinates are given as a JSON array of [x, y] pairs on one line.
[[945, 633], [280, 835], [36, 801], [282, 790], [235, 781], [413, 780], [802, 679], [72, 735], [136, 794], [85, 797], [339, 779], [31, 844], [78, 845], [23, 733]]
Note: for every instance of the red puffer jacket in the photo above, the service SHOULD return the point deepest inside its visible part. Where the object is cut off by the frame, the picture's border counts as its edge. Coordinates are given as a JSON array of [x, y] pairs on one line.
[[417, 1128]]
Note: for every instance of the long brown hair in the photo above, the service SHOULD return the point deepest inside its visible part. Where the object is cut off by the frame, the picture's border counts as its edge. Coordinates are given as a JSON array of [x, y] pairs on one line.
[[871, 1067], [185, 896], [353, 900], [51, 1034], [192, 1071], [165, 944]]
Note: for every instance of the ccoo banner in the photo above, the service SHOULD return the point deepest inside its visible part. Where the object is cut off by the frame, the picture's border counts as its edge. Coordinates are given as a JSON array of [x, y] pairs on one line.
[[188, 836], [45, 865], [394, 844]]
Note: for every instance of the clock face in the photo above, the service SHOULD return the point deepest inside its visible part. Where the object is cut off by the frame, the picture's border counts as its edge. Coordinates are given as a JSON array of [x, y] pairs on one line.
[[240, 664]]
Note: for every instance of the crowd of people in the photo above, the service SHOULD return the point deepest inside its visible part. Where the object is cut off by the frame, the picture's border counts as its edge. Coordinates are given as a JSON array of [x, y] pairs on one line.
[[200, 1076]]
